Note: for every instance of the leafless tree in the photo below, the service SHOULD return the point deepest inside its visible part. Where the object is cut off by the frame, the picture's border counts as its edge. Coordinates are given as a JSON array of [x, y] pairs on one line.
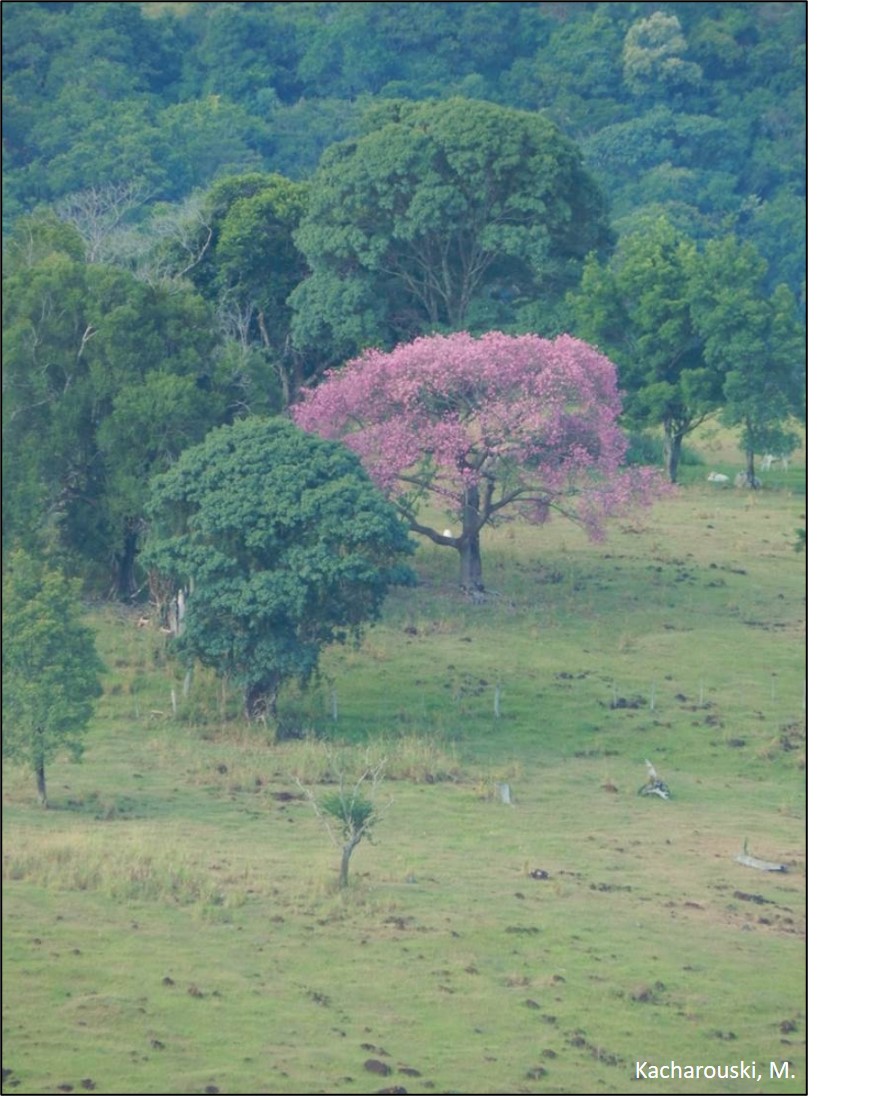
[[100, 214]]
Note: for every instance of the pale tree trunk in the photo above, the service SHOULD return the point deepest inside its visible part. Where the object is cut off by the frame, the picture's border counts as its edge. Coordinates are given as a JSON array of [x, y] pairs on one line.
[[177, 613], [276, 359], [348, 849], [752, 438]]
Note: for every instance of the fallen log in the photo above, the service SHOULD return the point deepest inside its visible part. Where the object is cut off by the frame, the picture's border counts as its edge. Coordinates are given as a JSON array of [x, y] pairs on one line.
[[758, 864], [655, 785]]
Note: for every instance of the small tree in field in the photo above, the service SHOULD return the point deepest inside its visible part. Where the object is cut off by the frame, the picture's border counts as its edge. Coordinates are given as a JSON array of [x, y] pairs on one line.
[[350, 813], [50, 667], [487, 427]]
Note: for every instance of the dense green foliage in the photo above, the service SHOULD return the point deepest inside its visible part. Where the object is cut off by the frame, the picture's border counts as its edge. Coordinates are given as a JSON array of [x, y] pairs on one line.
[[447, 214], [755, 339], [697, 107], [236, 245], [696, 332], [208, 205], [284, 546], [106, 380], [50, 667]]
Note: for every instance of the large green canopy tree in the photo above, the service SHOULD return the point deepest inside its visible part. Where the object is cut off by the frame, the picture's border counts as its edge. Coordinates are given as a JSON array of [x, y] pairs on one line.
[[284, 545], [638, 310], [756, 341], [50, 666], [106, 380], [235, 243], [439, 206], [696, 333]]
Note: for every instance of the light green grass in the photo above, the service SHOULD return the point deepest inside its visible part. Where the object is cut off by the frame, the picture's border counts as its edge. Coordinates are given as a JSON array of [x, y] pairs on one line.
[[171, 923]]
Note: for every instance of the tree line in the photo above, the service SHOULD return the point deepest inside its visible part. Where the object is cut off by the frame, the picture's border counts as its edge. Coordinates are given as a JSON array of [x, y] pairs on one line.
[[448, 216], [694, 108]]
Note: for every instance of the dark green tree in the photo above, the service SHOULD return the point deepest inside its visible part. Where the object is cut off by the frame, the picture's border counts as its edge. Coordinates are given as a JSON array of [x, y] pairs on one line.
[[637, 309], [576, 76], [411, 50], [756, 341], [50, 667], [695, 333], [247, 53], [106, 381], [81, 85], [438, 205], [205, 139], [285, 546], [258, 265], [235, 243]]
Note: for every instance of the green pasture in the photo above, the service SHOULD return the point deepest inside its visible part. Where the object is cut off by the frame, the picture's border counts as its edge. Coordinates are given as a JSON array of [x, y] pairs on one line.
[[172, 923]]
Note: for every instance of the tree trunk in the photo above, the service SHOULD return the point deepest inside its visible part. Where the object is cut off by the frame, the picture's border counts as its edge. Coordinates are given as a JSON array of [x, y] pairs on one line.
[[282, 375], [348, 849], [470, 575], [125, 581], [40, 774], [673, 448], [751, 469]]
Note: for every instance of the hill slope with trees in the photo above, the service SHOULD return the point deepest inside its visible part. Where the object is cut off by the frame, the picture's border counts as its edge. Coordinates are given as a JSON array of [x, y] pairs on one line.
[[207, 206]]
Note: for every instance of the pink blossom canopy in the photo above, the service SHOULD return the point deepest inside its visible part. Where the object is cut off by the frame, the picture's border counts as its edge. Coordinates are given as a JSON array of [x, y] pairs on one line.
[[530, 421]]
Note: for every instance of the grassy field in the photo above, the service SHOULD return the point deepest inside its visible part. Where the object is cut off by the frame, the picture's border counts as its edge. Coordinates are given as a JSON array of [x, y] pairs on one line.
[[172, 923]]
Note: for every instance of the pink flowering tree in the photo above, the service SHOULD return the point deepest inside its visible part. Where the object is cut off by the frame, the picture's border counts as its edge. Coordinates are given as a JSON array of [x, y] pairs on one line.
[[487, 427]]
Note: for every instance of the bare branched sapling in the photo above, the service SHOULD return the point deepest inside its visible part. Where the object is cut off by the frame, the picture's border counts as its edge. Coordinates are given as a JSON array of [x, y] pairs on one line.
[[350, 812]]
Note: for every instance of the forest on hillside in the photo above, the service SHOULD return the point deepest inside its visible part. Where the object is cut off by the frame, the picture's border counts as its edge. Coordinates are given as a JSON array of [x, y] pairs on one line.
[[207, 206]]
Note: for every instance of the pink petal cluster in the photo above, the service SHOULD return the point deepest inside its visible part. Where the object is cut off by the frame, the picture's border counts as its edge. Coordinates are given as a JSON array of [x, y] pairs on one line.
[[533, 423]]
